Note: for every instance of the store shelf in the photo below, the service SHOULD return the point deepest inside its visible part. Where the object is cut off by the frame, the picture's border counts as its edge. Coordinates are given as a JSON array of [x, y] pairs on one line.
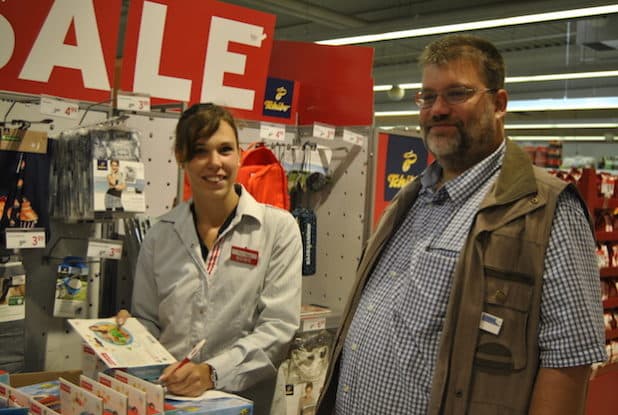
[[601, 203], [609, 272], [605, 369], [611, 302], [607, 236], [611, 334]]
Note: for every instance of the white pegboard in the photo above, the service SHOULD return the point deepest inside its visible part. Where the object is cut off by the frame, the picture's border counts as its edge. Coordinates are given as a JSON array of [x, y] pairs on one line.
[[341, 227], [160, 168]]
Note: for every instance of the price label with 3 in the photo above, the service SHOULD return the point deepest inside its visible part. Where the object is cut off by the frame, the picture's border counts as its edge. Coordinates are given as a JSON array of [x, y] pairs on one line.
[[271, 131], [104, 248], [312, 324], [323, 131], [133, 102], [25, 238]]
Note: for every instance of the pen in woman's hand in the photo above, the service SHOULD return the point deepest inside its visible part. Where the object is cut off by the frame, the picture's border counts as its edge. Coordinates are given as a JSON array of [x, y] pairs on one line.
[[196, 349]]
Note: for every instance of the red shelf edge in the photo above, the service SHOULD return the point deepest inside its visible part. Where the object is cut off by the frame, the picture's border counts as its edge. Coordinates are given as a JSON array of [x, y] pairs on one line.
[[608, 272], [606, 236], [611, 334], [611, 302]]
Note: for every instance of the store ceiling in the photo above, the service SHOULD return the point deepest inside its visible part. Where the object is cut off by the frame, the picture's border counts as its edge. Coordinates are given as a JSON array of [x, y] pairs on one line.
[[563, 46]]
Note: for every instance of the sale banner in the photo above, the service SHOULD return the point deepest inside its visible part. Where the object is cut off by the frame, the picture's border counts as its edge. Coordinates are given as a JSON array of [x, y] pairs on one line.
[[64, 48], [208, 52]]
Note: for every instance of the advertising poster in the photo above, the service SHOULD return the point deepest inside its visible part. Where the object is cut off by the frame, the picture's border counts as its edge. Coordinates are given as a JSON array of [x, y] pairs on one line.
[[400, 158]]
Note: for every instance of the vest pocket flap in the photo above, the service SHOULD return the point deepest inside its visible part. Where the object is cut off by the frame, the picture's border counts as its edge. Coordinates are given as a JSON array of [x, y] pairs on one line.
[[494, 356], [509, 290]]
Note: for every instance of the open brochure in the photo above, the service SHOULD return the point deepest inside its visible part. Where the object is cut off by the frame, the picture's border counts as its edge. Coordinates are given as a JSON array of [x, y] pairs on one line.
[[130, 345]]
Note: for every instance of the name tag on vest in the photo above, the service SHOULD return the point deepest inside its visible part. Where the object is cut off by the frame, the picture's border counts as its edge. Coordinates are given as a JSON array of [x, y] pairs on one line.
[[490, 323], [244, 255]]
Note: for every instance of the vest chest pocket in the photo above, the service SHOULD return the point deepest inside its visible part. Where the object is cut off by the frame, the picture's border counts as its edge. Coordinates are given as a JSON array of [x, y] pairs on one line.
[[508, 296]]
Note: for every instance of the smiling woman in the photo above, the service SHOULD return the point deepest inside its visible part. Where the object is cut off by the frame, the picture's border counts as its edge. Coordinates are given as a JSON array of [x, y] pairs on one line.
[[221, 267]]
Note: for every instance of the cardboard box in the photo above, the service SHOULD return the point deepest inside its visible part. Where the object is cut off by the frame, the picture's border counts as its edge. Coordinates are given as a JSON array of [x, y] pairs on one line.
[[230, 405], [24, 379], [223, 406]]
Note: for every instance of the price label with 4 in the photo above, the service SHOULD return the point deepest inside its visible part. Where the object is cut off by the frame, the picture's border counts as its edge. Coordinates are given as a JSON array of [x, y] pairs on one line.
[[59, 107], [25, 238], [271, 131]]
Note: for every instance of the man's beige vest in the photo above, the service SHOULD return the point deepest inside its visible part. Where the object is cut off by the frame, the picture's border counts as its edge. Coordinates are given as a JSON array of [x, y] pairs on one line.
[[499, 271]]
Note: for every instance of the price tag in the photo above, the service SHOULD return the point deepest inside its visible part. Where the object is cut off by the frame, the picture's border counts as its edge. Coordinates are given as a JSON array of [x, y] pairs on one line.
[[270, 131], [324, 131], [25, 238], [354, 138], [312, 324], [59, 107], [132, 102], [104, 248]]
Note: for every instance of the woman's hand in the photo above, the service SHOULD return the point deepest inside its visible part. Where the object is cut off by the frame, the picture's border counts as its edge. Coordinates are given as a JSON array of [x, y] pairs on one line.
[[191, 379], [122, 316]]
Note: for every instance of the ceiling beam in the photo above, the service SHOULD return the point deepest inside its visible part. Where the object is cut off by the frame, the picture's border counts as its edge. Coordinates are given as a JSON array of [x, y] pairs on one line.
[[310, 12]]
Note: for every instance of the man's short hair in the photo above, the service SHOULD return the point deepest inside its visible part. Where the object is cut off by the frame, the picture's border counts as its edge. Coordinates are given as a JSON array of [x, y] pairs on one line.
[[473, 48]]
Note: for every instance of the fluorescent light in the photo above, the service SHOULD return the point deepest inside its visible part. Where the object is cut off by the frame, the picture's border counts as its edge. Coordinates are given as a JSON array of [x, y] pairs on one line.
[[563, 125], [394, 113], [518, 79], [563, 104], [483, 24], [558, 138], [535, 105], [561, 76], [382, 88]]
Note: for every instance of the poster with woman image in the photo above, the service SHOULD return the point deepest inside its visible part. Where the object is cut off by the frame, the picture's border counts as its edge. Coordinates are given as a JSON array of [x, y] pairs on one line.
[[118, 186]]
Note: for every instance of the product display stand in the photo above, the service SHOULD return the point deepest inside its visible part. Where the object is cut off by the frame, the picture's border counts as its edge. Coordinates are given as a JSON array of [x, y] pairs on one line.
[[602, 398]]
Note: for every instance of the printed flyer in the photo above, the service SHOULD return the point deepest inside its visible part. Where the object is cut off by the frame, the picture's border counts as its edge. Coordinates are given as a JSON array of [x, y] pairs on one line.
[[126, 346]]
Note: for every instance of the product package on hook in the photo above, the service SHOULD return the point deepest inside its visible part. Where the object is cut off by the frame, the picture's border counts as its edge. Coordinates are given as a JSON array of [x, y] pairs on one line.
[[99, 170]]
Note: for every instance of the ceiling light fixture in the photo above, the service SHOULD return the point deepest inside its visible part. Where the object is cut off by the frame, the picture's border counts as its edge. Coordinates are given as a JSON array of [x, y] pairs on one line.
[[519, 79], [558, 138], [536, 105], [483, 24], [560, 126]]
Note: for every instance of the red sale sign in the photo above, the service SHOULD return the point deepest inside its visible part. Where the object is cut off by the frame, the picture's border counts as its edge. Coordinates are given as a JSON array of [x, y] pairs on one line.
[[59, 47], [208, 52]]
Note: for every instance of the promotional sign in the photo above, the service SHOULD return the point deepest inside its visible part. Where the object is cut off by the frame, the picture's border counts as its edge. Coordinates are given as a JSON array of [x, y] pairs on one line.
[[281, 100], [400, 159], [65, 48], [336, 82], [208, 52]]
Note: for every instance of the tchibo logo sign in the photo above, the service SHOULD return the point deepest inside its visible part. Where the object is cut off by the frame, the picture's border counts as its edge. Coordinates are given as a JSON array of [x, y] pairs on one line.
[[278, 98]]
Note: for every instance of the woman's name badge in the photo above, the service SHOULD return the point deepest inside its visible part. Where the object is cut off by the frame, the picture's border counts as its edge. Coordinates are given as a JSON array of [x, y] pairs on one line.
[[244, 255], [490, 323]]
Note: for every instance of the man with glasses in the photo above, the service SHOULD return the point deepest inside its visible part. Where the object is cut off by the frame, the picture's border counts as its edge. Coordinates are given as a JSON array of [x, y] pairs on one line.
[[479, 291]]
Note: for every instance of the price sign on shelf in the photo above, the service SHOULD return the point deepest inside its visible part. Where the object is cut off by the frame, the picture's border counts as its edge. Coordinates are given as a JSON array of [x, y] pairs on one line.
[[271, 131], [132, 102], [25, 238], [324, 131], [315, 323], [104, 248], [59, 107], [354, 138]]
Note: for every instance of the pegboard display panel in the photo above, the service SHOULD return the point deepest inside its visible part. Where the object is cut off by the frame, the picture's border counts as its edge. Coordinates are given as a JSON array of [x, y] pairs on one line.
[[341, 226], [160, 168], [50, 344]]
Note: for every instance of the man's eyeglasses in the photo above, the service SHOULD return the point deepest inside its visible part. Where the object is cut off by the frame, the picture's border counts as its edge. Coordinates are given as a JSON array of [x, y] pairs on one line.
[[453, 96]]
